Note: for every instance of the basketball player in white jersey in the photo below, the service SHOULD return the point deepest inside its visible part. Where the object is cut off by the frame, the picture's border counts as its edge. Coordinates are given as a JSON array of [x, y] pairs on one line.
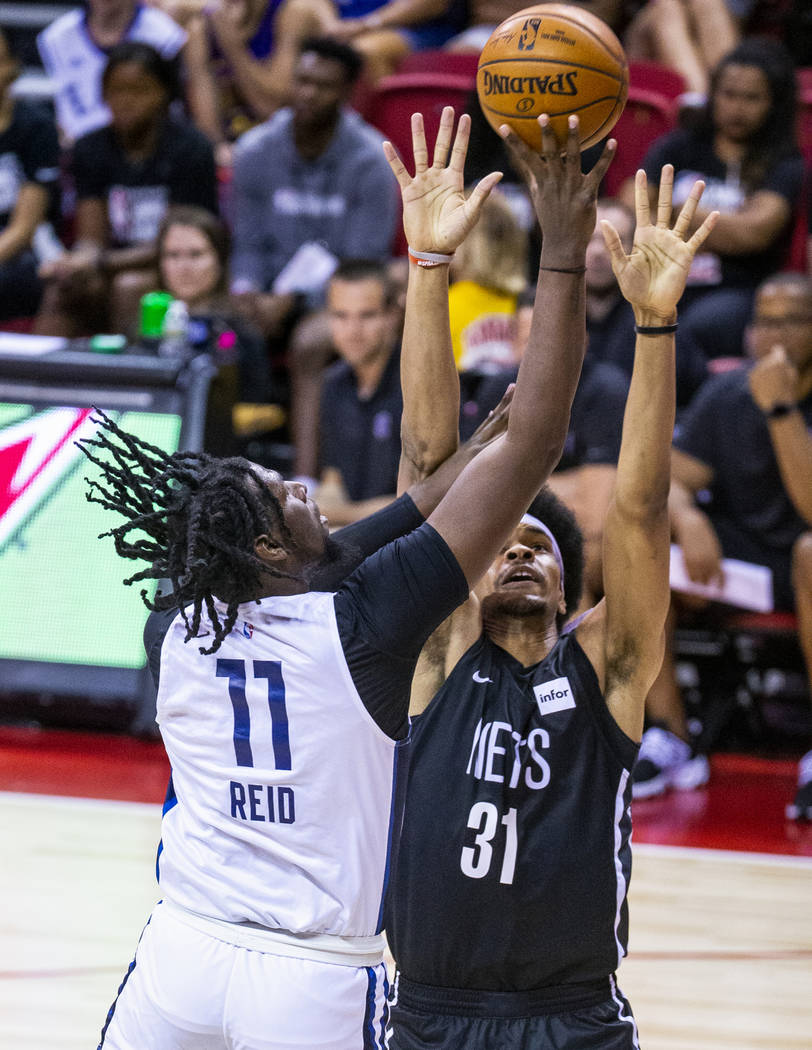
[[283, 706], [507, 907]]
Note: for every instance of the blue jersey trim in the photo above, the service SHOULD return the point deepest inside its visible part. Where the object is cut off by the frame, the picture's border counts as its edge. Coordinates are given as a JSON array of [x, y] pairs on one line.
[[370, 1043], [112, 1009], [170, 802]]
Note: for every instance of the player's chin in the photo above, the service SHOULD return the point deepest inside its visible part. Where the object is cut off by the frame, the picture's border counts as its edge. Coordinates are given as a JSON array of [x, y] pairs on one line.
[[507, 602]]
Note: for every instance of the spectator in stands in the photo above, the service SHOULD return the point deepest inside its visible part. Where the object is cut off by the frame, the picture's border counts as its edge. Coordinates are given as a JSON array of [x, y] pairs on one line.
[[744, 440], [29, 176], [688, 36], [489, 271], [193, 264], [75, 47], [383, 31], [229, 56], [127, 174], [361, 402], [311, 186], [744, 148]]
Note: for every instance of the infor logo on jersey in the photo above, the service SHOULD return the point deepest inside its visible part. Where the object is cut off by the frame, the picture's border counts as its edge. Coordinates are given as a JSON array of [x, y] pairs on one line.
[[554, 696]]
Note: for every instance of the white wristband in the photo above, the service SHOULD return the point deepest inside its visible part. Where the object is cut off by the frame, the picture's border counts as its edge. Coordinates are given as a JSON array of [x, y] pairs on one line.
[[429, 259]]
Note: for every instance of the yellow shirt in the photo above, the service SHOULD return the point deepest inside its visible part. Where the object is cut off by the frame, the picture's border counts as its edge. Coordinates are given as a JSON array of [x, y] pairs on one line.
[[482, 327]]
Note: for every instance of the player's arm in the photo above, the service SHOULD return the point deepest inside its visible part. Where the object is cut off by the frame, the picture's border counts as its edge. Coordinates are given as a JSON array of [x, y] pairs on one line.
[[637, 535], [484, 504], [437, 217]]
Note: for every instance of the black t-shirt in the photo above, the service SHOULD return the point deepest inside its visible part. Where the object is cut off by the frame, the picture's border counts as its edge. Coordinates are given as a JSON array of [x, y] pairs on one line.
[[180, 171], [361, 438], [725, 429], [29, 153], [596, 417], [693, 158]]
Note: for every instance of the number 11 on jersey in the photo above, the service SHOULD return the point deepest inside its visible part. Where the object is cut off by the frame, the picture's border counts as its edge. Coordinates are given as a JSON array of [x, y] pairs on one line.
[[271, 671], [475, 860]]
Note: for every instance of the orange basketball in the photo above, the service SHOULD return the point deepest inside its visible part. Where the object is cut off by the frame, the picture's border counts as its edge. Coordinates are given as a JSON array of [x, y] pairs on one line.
[[555, 59]]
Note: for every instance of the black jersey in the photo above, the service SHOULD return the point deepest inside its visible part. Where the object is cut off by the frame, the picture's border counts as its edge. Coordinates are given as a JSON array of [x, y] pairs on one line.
[[515, 856]]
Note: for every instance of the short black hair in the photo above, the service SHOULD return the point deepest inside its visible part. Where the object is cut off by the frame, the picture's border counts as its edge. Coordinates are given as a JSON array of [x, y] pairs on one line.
[[560, 520], [326, 47], [367, 270], [164, 70]]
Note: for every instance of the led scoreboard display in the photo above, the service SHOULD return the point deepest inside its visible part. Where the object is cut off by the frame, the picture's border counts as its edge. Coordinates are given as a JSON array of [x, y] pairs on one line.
[[69, 626]]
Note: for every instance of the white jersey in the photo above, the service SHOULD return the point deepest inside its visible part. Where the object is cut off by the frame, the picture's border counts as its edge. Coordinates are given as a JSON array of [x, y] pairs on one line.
[[75, 63], [284, 784]]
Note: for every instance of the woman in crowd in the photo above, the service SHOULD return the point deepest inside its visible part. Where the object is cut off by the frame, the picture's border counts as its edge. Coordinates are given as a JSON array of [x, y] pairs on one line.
[[127, 175], [744, 148], [193, 254]]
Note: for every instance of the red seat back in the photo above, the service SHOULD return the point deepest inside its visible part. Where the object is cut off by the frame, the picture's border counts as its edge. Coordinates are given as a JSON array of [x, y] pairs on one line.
[[394, 100], [647, 116]]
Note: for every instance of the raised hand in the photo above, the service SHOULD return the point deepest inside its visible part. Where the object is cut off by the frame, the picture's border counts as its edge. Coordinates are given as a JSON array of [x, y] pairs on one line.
[[563, 197], [437, 216], [652, 278]]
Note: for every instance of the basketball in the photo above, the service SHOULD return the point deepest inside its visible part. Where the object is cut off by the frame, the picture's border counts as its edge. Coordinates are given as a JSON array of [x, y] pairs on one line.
[[554, 59]]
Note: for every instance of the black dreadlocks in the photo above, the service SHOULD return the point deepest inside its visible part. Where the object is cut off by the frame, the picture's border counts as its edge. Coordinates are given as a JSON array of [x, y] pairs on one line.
[[197, 517]]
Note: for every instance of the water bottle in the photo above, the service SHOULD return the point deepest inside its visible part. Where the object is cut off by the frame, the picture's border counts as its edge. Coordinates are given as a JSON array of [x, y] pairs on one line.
[[175, 333]]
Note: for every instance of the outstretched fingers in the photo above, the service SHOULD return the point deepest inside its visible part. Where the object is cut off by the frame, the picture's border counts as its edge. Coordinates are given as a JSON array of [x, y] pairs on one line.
[[419, 148], [480, 194], [698, 239], [550, 148], [641, 204], [614, 245], [595, 176], [664, 197], [520, 152], [460, 149], [397, 165], [688, 210], [443, 140]]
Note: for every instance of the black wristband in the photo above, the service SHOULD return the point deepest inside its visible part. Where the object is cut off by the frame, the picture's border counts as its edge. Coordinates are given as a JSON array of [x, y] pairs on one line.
[[662, 329], [564, 269], [781, 409]]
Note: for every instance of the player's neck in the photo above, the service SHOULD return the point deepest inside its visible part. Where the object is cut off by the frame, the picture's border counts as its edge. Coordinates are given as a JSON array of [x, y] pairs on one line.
[[528, 639]]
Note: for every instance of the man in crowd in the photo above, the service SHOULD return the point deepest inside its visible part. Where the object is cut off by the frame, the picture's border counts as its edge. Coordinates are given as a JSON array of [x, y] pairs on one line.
[[311, 187], [361, 403], [745, 440]]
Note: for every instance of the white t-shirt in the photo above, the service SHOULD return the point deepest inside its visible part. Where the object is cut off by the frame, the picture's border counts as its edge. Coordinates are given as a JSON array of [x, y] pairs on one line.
[[75, 63]]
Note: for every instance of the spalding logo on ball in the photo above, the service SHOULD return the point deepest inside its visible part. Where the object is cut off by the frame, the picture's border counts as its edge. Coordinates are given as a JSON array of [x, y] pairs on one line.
[[555, 59]]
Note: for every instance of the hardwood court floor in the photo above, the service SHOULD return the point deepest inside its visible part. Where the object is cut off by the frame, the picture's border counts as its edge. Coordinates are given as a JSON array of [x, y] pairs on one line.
[[721, 916]]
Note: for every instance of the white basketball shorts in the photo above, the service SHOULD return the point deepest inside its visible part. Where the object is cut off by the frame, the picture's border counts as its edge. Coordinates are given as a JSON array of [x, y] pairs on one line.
[[187, 990]]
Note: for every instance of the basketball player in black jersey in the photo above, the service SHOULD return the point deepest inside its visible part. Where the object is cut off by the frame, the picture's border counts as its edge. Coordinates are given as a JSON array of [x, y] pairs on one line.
[[507, 912]]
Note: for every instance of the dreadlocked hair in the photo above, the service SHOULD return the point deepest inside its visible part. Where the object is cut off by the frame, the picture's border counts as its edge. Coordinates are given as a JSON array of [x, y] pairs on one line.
[[191, 516]]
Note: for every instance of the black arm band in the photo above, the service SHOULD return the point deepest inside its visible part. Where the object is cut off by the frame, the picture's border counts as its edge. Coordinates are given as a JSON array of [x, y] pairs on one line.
[[662, 329], [564, 269], [783, 408]]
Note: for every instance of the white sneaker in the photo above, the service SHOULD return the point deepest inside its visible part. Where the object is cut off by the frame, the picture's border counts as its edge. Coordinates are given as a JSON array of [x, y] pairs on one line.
[[801, 808], [664, 761]]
